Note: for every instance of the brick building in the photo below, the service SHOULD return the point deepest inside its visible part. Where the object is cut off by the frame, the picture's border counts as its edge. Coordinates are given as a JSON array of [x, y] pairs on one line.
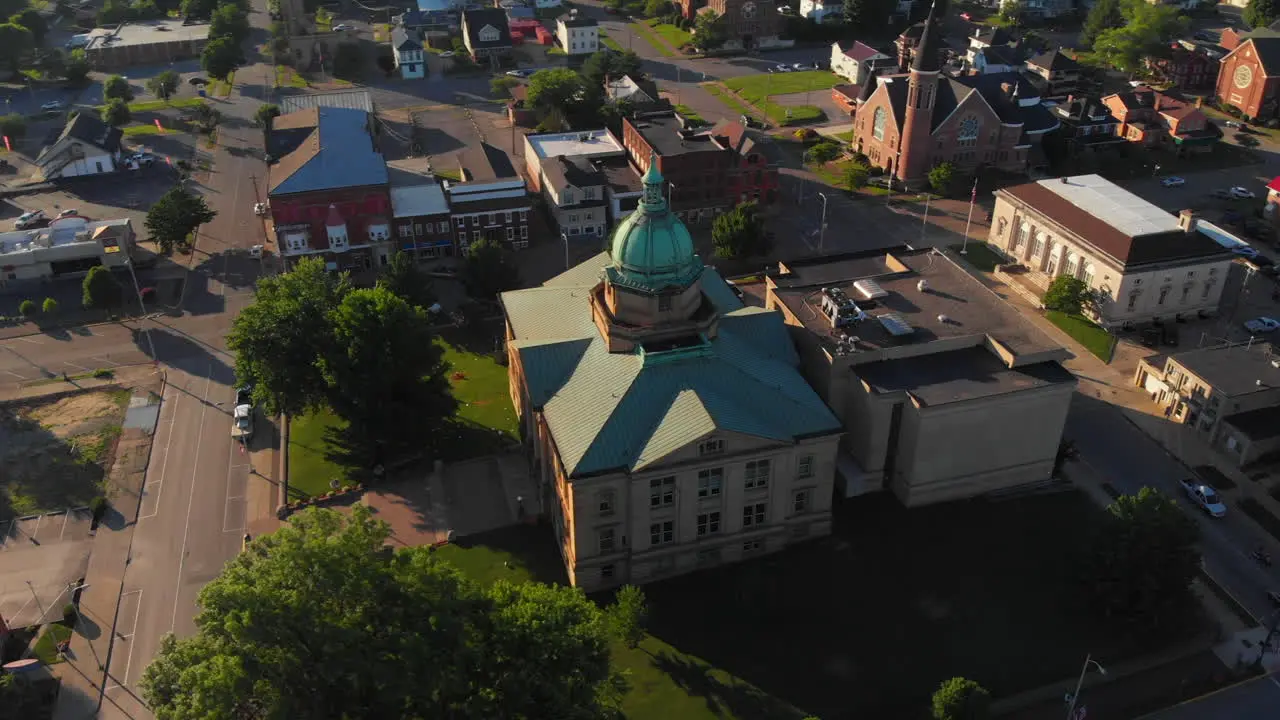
[[1188, 67], [328, 192], [706, 171], [422, 222], [1249, 77], [490, 201], [1153, 118], [748, 23]]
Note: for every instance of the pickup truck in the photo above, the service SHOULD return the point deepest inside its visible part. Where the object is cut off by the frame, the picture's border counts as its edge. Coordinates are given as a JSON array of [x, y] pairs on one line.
[[242, 428], [1205, 497]]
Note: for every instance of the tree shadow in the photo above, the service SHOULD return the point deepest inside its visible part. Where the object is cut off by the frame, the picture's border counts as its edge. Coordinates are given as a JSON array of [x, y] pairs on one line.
[[532, 545], [43, 471], [177, 349], [723, 699]]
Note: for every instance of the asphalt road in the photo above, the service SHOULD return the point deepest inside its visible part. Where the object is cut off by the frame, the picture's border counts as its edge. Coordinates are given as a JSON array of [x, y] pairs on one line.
[[1129, 459], [1257, 699]]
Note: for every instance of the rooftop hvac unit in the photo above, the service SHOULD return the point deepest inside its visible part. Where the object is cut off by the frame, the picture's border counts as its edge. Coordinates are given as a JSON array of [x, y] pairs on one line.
[[869, 289], [895, 324], [923, 286]]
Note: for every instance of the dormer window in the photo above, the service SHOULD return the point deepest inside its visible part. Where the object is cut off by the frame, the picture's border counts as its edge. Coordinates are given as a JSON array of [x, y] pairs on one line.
[[711, 446], [488, 33], [378, 232]]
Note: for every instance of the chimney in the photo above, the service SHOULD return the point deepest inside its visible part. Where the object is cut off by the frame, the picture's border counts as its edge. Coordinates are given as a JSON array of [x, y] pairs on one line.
[[1187, 220]]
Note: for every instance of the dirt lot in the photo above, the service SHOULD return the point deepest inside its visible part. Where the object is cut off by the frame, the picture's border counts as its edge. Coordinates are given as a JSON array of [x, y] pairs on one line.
[[55, 452]]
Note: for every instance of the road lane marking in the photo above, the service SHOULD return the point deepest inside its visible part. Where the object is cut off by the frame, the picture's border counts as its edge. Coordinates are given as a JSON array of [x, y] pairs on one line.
[[186, 527], [65, 517], [128, 661], [173, 418], [30, 340]]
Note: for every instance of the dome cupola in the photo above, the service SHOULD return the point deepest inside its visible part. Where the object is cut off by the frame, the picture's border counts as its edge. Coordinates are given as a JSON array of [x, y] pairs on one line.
[[652, 249]]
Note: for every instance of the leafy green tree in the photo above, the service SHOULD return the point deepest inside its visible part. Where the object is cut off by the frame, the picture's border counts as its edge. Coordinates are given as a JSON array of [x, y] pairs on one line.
[[348, 60], [1141, 561], [708, 32], [221, 57], [1104, 15], [628, 615], [656, 8], [499, 85], [1246, 140], [27, 308], [116, 87], [1069, 295], [1011, 12], [488, 270], [610, 65], [961, 699], [855, 176], [77, 68], [385, 375], [740, 233], [942, 178], [869, 15], [1258, 13], [163, 84], [404, 278], [175, 216], [15, 42], [99, 289], [115, 113], [319, 620], [32, 20], [265, 113], [50, 307], [206, 8], [1147, 31], [280, 338], [823, 152], [558, 89], [229, 21]]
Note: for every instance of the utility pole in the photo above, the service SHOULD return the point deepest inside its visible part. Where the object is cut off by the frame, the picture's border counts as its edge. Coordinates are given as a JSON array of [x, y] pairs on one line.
[[924, 219], [822, 229]]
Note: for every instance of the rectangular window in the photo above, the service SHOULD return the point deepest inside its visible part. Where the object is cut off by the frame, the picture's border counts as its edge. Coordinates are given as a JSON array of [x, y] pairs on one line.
[[524, 232], [757, 475], [511, 233], [406, 230], [605, 503], [752, 546], [417, 228], [475, 236], [507, 217], [462, 238], [462, 222], [711, 446], [805, 468], [475, 220], [708, 524], [606, 572], [662, 533], [1133, 300], [800, 501], [753, 515], [662, 492], [606, 537], [709, 482], [442, 227], [524, 216], [1164, 293]]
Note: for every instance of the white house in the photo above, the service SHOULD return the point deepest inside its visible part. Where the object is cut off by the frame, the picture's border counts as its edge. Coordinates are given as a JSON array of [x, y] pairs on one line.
[[408, 54], [822, 10], [577, 35], [87, 146], [856, 63]]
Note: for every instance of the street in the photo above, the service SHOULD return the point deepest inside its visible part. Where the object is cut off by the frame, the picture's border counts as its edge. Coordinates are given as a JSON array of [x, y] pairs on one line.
[[1256, 699]]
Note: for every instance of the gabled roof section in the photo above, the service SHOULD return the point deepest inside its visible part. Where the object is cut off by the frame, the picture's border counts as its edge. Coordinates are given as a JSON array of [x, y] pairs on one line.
[[1054, 61], [401, 40], [1268, 52], [476, 20], [337, 153], [90, 130], [862, 52]]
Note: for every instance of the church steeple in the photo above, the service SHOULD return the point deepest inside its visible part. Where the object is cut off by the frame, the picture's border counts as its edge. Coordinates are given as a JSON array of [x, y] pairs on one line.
[[915, 146]]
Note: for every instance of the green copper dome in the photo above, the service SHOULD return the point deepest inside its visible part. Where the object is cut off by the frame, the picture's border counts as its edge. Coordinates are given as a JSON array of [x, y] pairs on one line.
[[652, 248]]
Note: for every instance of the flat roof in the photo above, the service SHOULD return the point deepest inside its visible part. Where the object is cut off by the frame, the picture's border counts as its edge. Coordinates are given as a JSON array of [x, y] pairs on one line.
[[59, 235], [958, 375], [588, 143], [146, 33], [1234, 370], [351, 99], [622, 178], [418, 200], [662, 132], [1112, 204], [953, 303]]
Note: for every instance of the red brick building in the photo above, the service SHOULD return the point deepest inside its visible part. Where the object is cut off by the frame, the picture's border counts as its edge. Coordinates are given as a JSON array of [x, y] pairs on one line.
[[748, 23], [1154, 118], [1249, 79], [328, 191], [1188, 67], [706, 171]]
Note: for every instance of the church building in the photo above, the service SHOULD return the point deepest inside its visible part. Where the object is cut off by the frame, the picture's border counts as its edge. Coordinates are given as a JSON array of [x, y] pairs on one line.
[[748, 24], [669, 424], [910, 122]]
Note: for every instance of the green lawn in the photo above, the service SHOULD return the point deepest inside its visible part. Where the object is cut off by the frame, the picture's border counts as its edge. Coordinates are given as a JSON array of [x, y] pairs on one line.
[[862, 624], [844, 136], [832, 173], [147, 129], [221, 88], [728, 99], [288, 77], [646, 33], [46, 647], [674, 36], [690, 114], [610, 43], [755, 87], [485, 421], [980, 255], [153, 105], [1084, 331], [448, 173]]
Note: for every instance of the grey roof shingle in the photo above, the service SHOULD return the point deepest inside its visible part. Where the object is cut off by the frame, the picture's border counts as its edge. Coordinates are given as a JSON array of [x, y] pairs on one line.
[[338, 153], [624, 411]]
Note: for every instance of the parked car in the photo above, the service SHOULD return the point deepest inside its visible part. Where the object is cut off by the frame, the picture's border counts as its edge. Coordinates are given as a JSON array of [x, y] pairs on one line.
[[197, 81], [783, 67], [255, 252], [242, 423], [520, 73], [140, 160], [1221, 194], [1205, 497], [70, 212], [260, 209], [966, 16], [342, 27], [447, 54], [1231, 123], [1261, 325], [53, 106], [244, 395], [30, 219], [1240, 193], [1173, 181]]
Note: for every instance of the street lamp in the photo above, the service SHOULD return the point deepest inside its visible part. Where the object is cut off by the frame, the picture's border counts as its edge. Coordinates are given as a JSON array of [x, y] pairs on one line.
[[822, 229], [1073, 697], [566, 249], [141, 308]]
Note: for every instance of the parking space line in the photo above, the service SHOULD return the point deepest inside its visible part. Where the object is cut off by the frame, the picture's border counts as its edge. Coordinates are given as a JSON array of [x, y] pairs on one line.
[[128, 663], [78, 367], [173, 417], [65, 517]]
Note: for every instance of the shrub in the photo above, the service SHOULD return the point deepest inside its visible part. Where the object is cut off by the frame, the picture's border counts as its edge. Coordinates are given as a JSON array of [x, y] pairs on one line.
[[98, 506], [50, 306], [103, 373], [27, 308], [69, 612]]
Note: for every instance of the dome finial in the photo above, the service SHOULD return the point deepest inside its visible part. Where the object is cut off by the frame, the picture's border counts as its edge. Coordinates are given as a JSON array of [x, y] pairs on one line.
[[653, 184]]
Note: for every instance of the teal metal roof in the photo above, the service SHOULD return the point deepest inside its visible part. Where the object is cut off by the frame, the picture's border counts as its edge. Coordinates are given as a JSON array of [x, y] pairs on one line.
[[652, 249], [627, 411]]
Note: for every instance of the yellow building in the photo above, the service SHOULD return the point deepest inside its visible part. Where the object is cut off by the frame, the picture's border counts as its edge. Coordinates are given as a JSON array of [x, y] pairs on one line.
[[669, 424], [945, 392]]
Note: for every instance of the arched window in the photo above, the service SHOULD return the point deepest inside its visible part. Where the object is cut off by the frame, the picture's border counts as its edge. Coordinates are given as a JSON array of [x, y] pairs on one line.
[[1086, 275], [877, 123]]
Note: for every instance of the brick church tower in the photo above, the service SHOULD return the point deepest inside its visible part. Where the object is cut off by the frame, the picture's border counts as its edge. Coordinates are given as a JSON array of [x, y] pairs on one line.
[[922, 86]]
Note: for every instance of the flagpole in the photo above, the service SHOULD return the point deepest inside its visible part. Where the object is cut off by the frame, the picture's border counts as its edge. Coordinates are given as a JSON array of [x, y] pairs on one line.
[[973, 198], [924, 219]]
